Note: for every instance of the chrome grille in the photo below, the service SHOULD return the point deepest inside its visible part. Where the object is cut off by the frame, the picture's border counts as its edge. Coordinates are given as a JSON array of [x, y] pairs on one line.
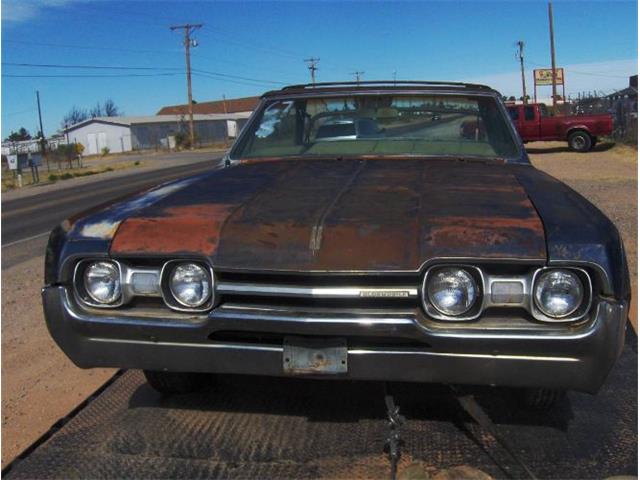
[[361, 290]]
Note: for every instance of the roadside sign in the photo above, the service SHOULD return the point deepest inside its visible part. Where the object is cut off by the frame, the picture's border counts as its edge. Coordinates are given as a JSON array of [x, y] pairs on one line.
[[542, 76], [34, 159], [12, 160]]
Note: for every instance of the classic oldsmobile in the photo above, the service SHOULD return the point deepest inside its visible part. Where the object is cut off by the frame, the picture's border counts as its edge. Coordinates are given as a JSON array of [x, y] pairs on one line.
[[355, 231]]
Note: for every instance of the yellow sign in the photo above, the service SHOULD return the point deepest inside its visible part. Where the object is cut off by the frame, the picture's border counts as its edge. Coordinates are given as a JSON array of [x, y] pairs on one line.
[[542, 76]]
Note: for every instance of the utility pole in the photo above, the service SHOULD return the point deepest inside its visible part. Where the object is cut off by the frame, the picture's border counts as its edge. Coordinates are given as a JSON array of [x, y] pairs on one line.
[[395, 74], [553, 57], [188, 28], [312, 66], [524, 83], [43, 148], [358, 75]]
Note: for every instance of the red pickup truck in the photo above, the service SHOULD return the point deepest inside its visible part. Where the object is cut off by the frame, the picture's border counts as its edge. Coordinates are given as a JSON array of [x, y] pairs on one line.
[[534, 122]]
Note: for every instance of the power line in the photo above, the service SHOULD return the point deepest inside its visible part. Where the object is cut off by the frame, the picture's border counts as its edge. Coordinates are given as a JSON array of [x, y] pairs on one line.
[[18, 113], [594, 74], [88, 67], [130, 67], [80, 75], [235, 82], [86, 47], [238, 77]]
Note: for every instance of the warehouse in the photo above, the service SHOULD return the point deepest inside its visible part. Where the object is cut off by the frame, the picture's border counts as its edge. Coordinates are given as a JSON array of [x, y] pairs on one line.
[[123, 134]]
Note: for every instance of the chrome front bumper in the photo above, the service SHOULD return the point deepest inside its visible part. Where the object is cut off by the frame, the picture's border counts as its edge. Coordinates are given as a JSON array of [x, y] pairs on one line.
[[577, 359]]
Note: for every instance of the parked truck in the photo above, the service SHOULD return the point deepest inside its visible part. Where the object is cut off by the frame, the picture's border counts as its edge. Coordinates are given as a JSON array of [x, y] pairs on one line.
[[535, 122]]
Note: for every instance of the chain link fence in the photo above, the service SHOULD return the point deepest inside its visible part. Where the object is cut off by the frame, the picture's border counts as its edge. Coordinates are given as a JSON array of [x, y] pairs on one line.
[[622, 106]]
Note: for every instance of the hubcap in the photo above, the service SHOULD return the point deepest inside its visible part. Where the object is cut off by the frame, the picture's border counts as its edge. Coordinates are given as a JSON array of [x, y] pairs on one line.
[[579, 142]]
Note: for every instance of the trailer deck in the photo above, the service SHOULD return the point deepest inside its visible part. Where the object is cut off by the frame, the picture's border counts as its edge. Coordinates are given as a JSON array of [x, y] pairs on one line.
[[251, 427]]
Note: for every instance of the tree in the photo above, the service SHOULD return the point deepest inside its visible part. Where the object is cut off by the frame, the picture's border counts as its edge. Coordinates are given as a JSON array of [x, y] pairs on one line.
[[96, 111], [110, 109], [75, 115], [22, 134]]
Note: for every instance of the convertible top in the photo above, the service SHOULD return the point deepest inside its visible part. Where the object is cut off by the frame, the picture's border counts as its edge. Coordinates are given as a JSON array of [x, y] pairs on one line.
[[379, 86]]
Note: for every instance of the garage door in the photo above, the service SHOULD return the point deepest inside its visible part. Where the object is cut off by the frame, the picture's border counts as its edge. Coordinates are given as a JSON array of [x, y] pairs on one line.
[[92, 143], [102, 141]]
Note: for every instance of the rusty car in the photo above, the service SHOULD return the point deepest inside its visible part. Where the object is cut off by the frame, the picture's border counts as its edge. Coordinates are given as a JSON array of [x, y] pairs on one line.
[[401, 249]]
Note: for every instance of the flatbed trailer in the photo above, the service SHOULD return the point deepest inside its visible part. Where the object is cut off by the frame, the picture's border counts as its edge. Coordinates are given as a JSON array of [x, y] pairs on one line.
[[251, 427]]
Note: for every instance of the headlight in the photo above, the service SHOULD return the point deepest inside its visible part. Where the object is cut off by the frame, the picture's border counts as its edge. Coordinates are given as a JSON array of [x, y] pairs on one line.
[[102, 282], [558, 293], [190, 284], [452, 291]]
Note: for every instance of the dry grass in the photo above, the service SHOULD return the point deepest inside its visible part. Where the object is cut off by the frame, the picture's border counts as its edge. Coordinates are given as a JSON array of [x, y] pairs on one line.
[[9, 180]]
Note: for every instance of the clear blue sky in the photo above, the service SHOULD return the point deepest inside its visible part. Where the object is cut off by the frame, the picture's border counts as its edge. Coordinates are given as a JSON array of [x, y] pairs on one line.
[[267, 41]]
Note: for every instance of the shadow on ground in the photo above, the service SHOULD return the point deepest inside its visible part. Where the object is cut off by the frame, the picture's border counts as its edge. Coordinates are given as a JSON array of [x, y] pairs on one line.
[[600, 147]]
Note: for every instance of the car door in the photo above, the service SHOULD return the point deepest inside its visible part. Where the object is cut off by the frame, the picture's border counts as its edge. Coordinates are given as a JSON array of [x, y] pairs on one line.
[[514, 114], [530, 123]]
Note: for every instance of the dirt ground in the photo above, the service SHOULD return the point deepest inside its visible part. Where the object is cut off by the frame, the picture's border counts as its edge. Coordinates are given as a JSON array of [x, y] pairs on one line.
[[40, 385]]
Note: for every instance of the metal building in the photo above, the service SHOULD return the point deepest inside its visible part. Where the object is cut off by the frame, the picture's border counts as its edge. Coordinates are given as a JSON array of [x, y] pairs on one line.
[[123, 134]]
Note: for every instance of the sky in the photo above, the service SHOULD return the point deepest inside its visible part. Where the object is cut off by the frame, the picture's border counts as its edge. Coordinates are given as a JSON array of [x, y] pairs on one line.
[[247, 48]]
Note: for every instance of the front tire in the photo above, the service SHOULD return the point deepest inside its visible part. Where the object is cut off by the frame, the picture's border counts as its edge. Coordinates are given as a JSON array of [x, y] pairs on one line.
[[541, 398], [175, 382], [580, 141]]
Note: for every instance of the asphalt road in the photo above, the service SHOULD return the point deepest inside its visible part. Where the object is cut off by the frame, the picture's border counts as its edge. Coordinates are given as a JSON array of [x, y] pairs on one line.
[[26, 222]]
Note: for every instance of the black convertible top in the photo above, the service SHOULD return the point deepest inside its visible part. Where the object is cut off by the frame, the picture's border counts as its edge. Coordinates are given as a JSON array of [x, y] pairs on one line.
[[379, 86]]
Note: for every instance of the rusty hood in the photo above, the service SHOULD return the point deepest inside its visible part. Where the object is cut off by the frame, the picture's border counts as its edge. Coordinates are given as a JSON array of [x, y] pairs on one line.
[[343, 215]]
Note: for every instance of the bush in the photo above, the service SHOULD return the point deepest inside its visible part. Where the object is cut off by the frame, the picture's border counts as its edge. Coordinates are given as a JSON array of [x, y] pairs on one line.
[[53, 178], [68, 151], [105, 151], [183, 141]]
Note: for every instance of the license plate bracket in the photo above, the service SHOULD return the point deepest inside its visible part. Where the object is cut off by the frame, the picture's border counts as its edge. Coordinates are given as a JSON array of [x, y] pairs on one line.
[[314, 356]]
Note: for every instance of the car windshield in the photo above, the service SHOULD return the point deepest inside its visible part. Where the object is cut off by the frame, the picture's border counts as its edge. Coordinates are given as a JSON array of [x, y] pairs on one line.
[[378, 125]]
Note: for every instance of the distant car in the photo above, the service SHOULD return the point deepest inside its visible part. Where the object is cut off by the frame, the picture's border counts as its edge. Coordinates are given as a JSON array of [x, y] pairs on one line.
[[581, 132], [408, 253], [347, 129]]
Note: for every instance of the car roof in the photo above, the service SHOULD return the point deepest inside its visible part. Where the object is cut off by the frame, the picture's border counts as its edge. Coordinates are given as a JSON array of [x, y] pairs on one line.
[[379, 86]]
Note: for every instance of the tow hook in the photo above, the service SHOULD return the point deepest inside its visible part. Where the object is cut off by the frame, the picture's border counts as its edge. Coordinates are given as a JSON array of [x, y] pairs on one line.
[[393, 442]]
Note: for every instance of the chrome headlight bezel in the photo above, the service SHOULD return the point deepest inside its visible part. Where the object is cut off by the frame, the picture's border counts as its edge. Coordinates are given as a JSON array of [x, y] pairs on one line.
[[473, 312], [168, 296], [80, 288], [579, 312]]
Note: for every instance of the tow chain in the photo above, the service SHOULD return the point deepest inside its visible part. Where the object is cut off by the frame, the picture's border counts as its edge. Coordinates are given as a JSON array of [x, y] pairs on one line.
[[393, 442], [475, 411]]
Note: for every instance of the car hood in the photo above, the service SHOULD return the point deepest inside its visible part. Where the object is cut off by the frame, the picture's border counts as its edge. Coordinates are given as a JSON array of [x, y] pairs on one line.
[[339, 215]]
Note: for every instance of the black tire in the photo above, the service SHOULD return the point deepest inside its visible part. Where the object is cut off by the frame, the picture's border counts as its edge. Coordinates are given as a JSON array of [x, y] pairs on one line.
[[580, 141], [175, 382], [541, 398]]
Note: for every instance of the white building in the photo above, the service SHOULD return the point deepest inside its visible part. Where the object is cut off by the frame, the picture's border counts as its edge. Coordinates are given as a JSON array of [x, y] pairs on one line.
[[123, 134]]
